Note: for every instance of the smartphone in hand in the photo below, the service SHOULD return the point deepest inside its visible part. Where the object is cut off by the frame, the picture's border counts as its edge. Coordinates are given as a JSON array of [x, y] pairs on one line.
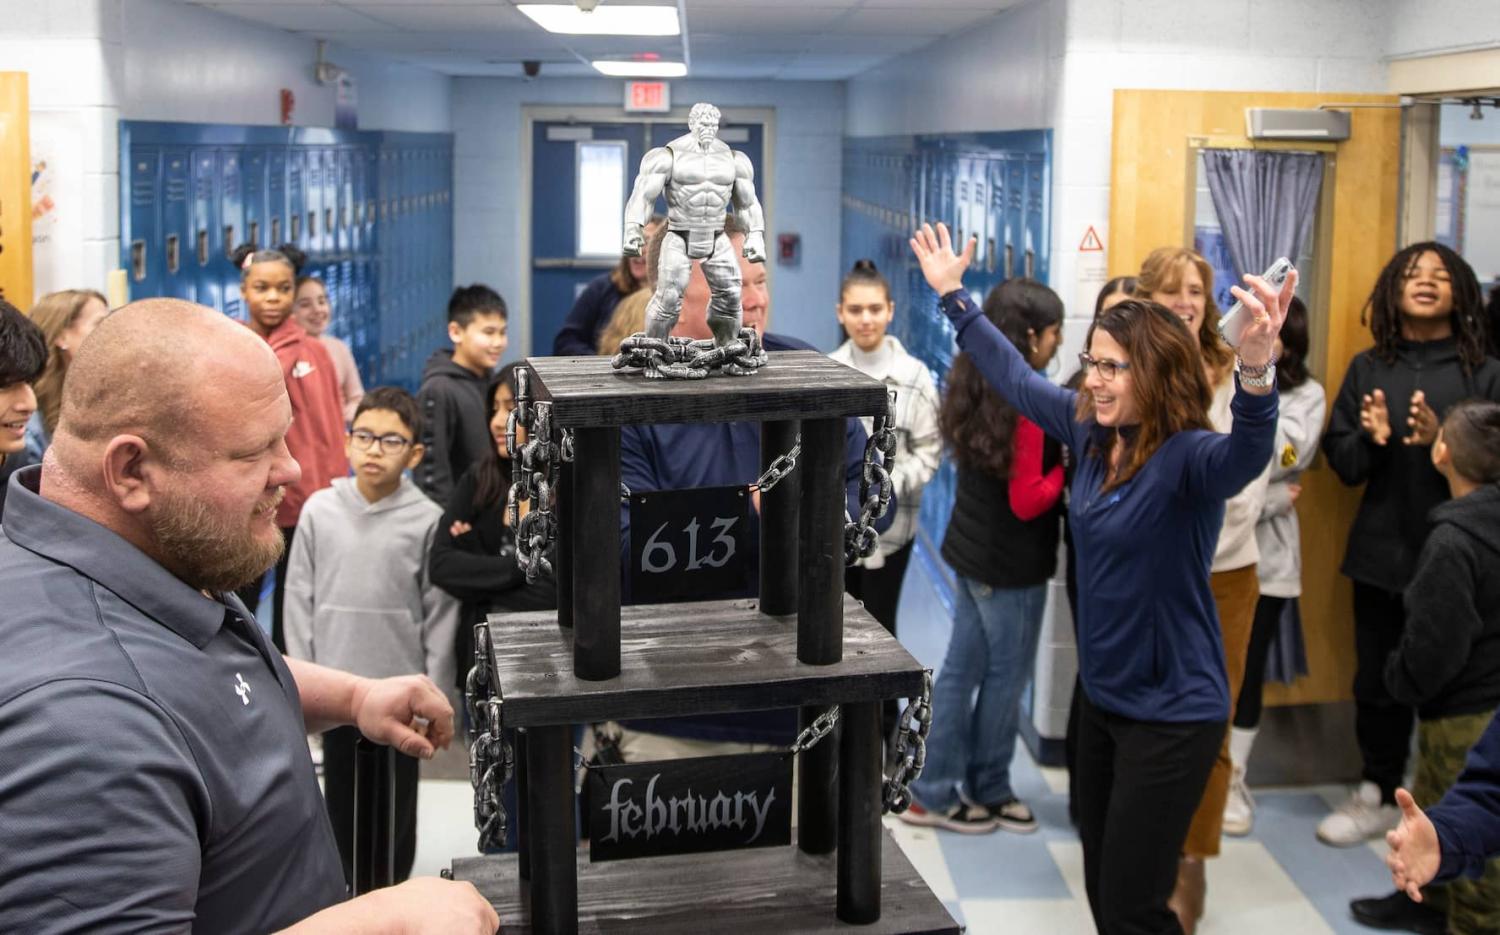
[[1232, 325]]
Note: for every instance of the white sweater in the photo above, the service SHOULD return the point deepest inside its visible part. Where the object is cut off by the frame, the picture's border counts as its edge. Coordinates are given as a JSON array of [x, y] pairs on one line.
[[1237, 546]]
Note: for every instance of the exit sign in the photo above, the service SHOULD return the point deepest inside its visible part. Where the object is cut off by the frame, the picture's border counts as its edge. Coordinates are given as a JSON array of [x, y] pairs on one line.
[[647, 97]]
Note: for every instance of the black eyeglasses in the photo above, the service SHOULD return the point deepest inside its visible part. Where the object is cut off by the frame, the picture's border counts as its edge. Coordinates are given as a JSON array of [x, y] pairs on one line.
[[1108, 369], [392, 444]]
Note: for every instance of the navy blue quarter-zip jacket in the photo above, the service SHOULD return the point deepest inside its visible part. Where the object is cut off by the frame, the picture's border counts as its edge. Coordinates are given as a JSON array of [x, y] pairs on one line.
[[1149, 645]]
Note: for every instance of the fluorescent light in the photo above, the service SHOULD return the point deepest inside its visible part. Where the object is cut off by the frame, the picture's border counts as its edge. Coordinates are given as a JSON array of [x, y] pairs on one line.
[[605, 20], [621, 69]]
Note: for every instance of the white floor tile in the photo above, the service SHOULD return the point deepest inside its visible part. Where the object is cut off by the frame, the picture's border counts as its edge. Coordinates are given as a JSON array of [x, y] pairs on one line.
[[1249, 892], [994, 917]]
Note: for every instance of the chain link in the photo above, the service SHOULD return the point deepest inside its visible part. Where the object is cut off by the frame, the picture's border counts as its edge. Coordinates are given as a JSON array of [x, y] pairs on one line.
[[492, 760], [687, 359], [821, 727], [875, 487], [537, 465], [779, 469], [911, 749]]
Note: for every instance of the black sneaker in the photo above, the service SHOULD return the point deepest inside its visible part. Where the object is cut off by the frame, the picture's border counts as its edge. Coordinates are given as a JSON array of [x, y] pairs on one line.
[[1013, 815], [1397, 913], [962, 818]]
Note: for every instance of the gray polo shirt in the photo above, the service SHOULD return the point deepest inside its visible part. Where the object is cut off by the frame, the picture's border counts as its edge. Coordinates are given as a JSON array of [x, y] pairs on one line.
[[154, 773]]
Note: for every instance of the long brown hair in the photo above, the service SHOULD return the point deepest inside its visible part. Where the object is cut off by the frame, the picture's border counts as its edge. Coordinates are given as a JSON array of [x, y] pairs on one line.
[[1170, 388], [1162, 272], [977, 424], [55, 313]]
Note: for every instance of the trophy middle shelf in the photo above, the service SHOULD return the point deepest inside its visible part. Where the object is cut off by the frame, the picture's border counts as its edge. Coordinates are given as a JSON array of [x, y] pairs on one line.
[[708, 657]]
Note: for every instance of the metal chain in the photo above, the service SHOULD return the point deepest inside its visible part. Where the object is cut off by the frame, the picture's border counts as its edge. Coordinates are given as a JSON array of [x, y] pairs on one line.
[[780, 468], [911, 749], [537, 465], [821, 727], [492, 760], [687, 359], [875, 487]]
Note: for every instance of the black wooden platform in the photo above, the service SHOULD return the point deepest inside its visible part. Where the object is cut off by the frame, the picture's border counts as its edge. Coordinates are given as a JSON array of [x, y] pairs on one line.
[[705, 657], [588, 392], [780, 890]]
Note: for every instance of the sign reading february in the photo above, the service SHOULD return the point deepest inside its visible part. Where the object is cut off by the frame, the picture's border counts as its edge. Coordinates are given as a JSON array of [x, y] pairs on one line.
[[688, 544], [15, 190], [711, 803]]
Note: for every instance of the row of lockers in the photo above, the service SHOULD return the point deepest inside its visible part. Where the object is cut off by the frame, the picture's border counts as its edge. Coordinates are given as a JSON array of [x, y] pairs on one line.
[[372, 210], [996, 185]]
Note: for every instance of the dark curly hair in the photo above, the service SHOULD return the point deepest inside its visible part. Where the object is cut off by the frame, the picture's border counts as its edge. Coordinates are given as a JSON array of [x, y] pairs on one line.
[[1382, 311], [977, 424], [290, 254]]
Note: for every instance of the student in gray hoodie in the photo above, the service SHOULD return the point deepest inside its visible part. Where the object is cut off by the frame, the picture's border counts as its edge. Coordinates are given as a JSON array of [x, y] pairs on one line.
[[359, 598]]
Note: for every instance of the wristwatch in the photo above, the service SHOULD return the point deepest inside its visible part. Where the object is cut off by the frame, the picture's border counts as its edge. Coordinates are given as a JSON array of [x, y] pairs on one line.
[[1256, 378]]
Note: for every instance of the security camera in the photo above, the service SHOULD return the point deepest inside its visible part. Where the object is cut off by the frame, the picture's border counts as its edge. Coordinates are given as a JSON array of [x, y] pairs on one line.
[[586, 6], [531, 68]]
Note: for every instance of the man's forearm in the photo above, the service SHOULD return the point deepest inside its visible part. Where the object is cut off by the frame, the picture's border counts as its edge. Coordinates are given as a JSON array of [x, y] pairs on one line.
[[329, 696]]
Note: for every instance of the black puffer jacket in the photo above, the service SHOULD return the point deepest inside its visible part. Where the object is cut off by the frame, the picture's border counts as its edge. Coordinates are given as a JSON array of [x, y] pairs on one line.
[[1448, 662], [1401, 485]]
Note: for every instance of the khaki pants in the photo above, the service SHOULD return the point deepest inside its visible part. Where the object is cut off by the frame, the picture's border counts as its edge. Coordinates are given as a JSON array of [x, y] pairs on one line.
[[1235, 594], [1473, 906]]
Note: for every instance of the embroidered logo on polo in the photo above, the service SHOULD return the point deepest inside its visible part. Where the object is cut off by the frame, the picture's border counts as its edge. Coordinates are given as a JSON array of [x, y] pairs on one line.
[[242, 688]]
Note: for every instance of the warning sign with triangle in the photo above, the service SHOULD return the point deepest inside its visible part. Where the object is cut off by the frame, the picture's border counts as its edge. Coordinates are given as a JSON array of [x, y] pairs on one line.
[[1091, 242]]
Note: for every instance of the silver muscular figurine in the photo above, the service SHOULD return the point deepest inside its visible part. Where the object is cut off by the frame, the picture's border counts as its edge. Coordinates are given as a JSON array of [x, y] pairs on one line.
[[699, 175]]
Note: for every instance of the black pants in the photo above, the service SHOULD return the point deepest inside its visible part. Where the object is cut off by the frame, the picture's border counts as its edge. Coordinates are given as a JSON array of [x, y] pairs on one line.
[[1268, 612], [880, 589], [1139, 783], [338, 796], [1382, 724], [250, 593]]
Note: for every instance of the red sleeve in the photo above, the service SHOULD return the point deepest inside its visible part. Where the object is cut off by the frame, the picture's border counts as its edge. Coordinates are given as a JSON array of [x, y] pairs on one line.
[[1032, 493]]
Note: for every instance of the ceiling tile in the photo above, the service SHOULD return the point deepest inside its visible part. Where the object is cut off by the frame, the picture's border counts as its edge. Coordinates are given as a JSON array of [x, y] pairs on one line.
[[448, 16], [749, 20], [909, 20], [302, 17]]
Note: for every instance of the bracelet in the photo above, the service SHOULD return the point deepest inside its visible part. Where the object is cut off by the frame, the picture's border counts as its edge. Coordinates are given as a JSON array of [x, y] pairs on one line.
[[1249, 370]]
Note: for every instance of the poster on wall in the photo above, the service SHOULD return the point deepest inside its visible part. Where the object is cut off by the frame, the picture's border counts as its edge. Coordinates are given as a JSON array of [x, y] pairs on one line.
[[57, 148], [15, 190]]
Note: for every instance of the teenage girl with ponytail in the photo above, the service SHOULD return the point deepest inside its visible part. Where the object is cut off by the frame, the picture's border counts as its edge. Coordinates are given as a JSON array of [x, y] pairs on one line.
[[316, 435]]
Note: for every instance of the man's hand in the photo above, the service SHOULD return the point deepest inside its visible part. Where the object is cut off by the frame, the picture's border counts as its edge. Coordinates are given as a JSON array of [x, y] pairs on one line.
[[420, 906], [943, 269], [1415, 852], [1374, 418], [407, 712], [1422, 421], [755, 247], [635, 240]]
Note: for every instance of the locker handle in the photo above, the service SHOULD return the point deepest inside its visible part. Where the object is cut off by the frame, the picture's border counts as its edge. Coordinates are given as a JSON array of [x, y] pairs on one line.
[[229, 243], [174, 253], [989, 257], [296, 235], [1030, 264], [276, 230], [138, 259], [328, 227], [312, 223], [254, 232], [202, 247], [1010, 261]]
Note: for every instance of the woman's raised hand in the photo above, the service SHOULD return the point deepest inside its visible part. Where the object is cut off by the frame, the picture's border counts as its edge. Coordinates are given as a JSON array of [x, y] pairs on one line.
[[943, 269], [1267, 309]]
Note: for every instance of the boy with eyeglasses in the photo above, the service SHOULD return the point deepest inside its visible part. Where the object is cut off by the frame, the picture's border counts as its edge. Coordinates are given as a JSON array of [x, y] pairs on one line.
[[358, 597]]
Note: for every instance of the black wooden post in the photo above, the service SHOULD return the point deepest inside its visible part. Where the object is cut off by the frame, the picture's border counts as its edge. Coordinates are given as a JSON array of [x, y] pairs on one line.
[[562, 558], [549, 813], [859, 829], [374, 816], [818, 791], [522, 818], [779, 509], [596, 553], [820, 588]]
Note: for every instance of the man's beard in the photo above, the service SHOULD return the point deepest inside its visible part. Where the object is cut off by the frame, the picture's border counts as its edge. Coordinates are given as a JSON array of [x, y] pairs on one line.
[[209, 552]]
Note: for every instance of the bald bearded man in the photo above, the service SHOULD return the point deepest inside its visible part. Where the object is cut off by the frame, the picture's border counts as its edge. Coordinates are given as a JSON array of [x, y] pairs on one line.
[[156, 769]]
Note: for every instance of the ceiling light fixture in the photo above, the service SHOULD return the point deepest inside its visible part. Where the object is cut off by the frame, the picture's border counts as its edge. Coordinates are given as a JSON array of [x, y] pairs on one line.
[[610, 20], [616, 68]]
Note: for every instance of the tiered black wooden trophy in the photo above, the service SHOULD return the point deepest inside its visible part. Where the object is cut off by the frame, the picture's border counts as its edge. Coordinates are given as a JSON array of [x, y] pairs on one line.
[[802, 644]]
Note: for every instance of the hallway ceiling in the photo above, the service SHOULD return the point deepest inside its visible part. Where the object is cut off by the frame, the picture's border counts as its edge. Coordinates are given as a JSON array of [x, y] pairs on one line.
[[737, 39]]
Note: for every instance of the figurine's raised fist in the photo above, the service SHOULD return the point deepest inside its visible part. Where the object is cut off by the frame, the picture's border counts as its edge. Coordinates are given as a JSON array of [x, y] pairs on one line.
[[755, 247], [635, 240]]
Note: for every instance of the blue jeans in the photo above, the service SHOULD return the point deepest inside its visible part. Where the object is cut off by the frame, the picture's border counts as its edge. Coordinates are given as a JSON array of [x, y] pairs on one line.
[[976, 701]]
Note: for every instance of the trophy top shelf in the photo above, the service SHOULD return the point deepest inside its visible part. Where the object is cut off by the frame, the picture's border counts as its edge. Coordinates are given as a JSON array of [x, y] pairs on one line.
[[706, 657], [587, 392]]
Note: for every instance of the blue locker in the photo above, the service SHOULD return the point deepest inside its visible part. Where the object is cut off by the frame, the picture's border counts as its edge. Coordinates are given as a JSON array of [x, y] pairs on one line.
[[178, 279], [1015, 214], [328, 223], [296, 198], [1038, 228], [204, 229], [141, 238], [275, 232], [231, 230]]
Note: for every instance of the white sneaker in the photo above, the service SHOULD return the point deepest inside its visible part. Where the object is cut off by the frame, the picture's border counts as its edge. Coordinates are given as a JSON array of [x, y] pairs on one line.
[[1359, 819], [1239, 808]]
